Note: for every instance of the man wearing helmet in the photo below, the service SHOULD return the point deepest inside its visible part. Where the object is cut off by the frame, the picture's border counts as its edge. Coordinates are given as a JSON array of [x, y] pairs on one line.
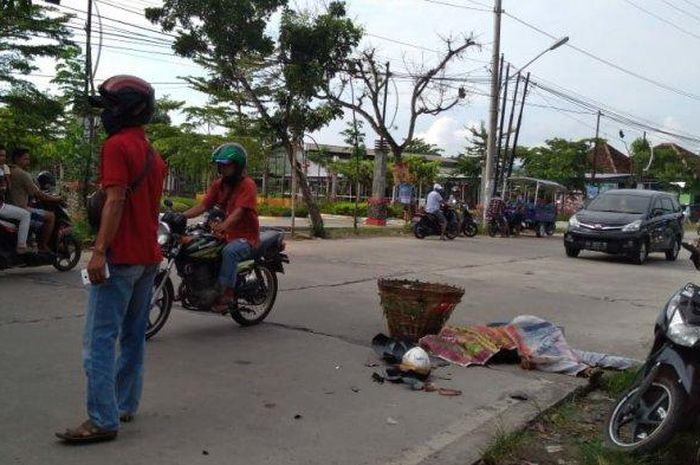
[[236, 194], [124, 261], [433, 206]]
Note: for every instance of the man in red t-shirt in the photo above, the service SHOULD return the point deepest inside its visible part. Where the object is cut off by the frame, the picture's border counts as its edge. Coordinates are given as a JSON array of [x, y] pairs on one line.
[[124, 262], [236, 194]]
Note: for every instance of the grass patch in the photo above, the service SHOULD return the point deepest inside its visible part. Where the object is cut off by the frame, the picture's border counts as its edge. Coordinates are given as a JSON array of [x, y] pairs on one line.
[[615, 383], [595, 453], [365, 231], [505, 446]]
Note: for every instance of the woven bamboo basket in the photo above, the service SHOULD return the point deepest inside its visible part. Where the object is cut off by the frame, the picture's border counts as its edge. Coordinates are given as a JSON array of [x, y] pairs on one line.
[[414, 309]]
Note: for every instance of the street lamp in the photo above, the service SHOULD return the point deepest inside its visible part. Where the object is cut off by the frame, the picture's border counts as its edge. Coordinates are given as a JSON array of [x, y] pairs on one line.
[[493, 112], [554, 46]]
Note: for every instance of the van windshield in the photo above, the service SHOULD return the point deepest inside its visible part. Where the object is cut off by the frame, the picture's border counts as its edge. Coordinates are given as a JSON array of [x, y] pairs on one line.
[[620, 203]]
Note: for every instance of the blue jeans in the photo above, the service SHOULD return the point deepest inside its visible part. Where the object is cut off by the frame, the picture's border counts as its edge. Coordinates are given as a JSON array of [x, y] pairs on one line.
[[117, 309], [235, 252]]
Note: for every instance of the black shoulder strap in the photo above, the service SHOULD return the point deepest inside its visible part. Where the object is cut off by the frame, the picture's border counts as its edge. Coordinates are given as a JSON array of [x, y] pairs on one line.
[[146, 168]]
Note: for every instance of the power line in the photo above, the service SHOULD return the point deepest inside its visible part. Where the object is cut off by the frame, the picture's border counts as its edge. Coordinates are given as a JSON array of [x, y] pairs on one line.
[[122, 22], [663, 20], [685, 12], [659, 84], [464, 7], [692, 4]]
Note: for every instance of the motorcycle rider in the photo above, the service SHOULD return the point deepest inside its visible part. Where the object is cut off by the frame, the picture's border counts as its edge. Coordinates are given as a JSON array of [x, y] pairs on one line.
[[22, 187], [433, 206], [497, 211], [236, 194]]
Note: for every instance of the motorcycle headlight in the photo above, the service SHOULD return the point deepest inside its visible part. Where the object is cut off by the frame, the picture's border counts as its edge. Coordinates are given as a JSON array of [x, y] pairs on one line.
[[633, 226], [573, 222], [678, 330], [163, 233]]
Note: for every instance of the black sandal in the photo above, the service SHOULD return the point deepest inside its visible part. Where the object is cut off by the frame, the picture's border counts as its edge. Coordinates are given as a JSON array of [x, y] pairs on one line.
[[86, 433]]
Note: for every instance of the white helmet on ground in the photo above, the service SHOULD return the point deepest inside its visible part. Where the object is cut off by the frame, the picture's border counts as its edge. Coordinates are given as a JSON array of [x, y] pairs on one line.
[[417, 361]]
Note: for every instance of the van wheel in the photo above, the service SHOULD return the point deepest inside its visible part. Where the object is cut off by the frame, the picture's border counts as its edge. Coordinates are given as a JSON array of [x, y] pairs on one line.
[[672, 253], [640, 255], [572, 251]]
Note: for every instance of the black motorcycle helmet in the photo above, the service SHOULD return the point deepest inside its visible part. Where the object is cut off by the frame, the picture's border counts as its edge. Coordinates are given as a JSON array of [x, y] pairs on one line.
[[127, 101], [46, 181]]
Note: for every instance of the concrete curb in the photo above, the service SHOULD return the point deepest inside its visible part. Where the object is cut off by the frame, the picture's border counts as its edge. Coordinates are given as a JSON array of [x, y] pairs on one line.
[[463, 442]]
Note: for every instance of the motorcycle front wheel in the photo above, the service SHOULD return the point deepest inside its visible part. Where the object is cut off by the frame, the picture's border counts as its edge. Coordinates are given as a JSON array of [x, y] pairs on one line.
[[161, 304], [67, 253], [493, 228], [256, 297], [645, 427], [419, 231], [470, 229]]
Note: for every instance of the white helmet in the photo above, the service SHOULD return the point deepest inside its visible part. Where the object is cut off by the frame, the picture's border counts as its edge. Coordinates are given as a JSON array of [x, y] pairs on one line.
[[417, 361], [437, 187]]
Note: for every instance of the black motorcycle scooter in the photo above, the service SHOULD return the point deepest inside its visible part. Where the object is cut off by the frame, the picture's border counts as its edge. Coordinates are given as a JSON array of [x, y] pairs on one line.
[[425, 224], [666, 391]]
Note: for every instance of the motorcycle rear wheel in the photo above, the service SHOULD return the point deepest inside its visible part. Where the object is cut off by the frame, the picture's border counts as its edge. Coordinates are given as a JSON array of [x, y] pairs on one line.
[[493, 228], [470, 229], [653, 422], [162, 305], [254, 308], [67, 253]]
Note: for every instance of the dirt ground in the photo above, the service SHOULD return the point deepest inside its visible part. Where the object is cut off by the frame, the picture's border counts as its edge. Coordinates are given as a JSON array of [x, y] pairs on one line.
[[572, 434]]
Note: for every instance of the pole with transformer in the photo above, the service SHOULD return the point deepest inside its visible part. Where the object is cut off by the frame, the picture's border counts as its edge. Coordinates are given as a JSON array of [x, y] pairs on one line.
[[493, 109], [377, 211], [595, 148]]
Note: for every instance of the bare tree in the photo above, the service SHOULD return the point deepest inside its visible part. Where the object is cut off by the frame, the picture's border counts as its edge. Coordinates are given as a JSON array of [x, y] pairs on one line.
[[433, 93]]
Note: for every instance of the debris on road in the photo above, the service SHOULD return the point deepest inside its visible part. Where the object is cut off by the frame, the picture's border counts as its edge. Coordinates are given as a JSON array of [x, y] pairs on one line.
[[391, 421]]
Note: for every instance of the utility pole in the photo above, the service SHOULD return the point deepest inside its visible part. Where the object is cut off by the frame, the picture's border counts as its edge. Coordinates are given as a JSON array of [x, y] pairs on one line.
[[595, 147], [89, 125], [508, 156], [377, 216], [498, 163], [493, 110], [517, 127]]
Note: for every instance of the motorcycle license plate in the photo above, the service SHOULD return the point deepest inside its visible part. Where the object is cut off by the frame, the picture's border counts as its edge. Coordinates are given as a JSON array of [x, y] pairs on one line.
[[597, 245]]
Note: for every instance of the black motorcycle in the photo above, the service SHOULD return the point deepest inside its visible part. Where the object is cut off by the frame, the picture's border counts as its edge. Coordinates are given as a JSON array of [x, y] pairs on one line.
[[513, 221], [468, 224], [196, 255], [664, 395], [426, 224], [65, 247]]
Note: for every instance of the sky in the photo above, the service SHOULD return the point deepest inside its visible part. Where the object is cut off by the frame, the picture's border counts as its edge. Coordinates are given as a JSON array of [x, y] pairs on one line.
[[656, 44]]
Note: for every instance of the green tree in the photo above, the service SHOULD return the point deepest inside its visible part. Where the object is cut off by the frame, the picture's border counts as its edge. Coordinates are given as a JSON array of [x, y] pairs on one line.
[[666, 167], [28, 32], [560, 160], [421, 147], [471, 162], [278, 76], [422, 172]]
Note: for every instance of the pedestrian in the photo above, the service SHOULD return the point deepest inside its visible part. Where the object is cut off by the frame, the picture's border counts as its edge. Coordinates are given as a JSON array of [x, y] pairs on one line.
[[124, 262]]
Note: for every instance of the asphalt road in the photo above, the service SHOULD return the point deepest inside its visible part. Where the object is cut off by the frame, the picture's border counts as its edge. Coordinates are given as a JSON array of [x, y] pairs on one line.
[[296, 389]]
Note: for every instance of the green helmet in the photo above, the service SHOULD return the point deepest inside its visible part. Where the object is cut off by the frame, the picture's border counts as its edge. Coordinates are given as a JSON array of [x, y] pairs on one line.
[[230, 152]]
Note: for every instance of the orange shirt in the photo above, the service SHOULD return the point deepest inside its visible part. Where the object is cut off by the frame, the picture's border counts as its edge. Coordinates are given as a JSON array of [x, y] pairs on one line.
[[245, 196]]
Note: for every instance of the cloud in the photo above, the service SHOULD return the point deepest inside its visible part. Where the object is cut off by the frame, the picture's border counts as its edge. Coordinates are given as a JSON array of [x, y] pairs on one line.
[[448, 134]]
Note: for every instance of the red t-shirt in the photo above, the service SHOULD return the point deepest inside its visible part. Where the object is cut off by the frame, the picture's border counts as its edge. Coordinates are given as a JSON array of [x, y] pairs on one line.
[[123, 157], [244, 195]]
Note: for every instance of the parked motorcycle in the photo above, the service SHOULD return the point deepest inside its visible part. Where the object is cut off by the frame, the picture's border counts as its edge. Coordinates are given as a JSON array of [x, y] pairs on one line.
[[664, 394], [513, 221], [468, 224], [65, 246], [425, 224], [196, 255]]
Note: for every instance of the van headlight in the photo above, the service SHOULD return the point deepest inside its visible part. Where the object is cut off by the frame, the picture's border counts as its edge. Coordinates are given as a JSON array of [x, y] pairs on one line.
[[163, 233], [573, 222], [633, 226]]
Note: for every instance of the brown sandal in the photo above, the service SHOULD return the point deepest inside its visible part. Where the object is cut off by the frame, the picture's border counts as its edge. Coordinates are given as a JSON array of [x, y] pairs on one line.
[[86, 433]]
